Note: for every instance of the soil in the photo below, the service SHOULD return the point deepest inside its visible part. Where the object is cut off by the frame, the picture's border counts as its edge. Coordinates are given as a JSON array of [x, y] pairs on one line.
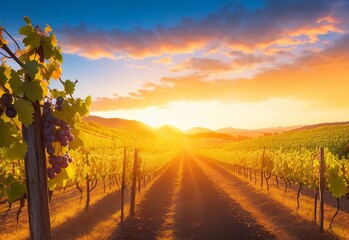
[[202, 211]]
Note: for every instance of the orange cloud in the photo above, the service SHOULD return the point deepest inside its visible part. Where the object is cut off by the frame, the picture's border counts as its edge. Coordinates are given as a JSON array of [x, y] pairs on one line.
[[321, 77], [279, 23], [203, 65], [291, 37], [209, 65], [243, 59], [165, 60]]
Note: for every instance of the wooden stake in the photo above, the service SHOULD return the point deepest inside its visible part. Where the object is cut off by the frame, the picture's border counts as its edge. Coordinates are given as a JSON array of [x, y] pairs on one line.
[[322, 188], [262, 169], [134, 183], [123, 186], [36, 175]]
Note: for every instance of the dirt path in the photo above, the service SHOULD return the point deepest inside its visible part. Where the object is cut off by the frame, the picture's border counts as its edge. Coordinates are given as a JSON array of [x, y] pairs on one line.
[[206, 212], [201, 211], [280, 220]]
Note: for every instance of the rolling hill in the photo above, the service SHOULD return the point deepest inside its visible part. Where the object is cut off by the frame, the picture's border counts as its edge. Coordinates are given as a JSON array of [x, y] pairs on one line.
[[196, 130], [200, 132], [119, 123]]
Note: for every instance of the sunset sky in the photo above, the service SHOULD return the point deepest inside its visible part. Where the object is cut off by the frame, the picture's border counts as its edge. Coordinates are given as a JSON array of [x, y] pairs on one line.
[[243, 64]]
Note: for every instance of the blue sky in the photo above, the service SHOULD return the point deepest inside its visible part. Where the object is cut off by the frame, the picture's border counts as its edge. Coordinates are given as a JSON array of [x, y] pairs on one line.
[[158, 61]]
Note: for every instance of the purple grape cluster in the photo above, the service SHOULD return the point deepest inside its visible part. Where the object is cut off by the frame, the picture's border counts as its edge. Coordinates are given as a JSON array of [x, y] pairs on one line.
[[57, 163], [55, 131], [7, 106]]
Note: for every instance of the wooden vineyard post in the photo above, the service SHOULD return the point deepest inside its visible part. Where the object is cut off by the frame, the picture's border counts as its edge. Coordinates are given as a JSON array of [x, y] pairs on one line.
[[139, 175], [322, 188], [123, 186], [262, 169], [36, 178], [134, 184], [36, 175]]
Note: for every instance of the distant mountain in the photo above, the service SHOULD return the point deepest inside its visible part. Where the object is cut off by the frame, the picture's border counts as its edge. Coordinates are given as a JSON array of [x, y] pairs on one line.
[[196, 130], [240, 132], [213, 135], [169, 129], [200, 132], [119, 123], [255, 132]]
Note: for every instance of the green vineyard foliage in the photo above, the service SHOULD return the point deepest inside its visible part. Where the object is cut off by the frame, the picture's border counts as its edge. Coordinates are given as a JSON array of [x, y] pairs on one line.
[[38, 64], [294, 156]]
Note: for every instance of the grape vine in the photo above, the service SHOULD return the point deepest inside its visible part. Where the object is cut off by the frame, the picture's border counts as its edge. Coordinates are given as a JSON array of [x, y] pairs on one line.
[[34, 117]]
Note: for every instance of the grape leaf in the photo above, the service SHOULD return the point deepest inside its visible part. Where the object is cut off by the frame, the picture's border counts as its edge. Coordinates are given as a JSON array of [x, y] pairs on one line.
[[32, 90], [32, 40], [337, 186], [58, 54], [16, 190], [56, 74], [16, 151], [88, 100], [48, 29], [48, 48], [4, 74], [76, 143], [50, 68], [53, 40], [6, 133], [16, 83], [25, 111], [32, 68], [69, 87], [56, 93], [26, 30]]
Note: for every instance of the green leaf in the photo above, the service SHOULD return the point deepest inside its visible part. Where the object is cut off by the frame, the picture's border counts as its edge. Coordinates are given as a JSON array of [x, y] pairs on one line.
[[88, 100], [16, 190], [337, 186], [4, 74], [32, 90], [26, 30], [58, 54], [32, 67], [50, 68], [55, 93], [16, 151], [70, 171], [77, 143], [9, 180], [25, 111], [7, 130], [69, 87], [16, 83], [48, 48], [32, 40]]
